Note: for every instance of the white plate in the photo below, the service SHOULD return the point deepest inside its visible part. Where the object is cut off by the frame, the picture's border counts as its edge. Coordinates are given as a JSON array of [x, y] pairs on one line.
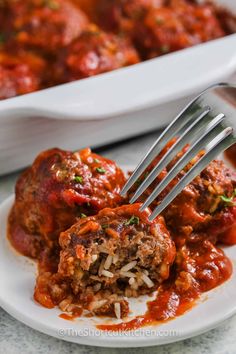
[[17, 280]]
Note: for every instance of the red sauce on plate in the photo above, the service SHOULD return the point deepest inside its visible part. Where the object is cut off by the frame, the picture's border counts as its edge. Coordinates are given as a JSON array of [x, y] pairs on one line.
[[231, 155], [76, 313], [211, 269]]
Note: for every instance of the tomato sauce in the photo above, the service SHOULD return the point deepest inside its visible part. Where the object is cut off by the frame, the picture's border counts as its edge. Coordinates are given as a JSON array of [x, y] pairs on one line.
[[231, 155], [173, 299], [75, 314]]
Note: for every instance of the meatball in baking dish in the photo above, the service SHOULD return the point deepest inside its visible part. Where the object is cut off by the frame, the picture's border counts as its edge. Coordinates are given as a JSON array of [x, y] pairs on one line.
[[20, 73], [120, 15], [175, 26], [95, 52], [59, 187], [160, 27], [114, 254], [46, 25]]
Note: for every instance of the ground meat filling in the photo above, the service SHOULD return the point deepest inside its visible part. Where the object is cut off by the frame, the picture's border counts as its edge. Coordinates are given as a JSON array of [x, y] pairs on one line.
[[114, 254]]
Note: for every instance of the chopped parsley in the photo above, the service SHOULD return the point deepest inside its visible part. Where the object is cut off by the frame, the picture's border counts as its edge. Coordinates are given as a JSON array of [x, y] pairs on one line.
[[82, 215], [165, 49], [159, 20], [100, 170], [96, 160], [105, 226], [78, 179], [229, 201], [52, 4], [140, 180], [2, 38], [134, 220]]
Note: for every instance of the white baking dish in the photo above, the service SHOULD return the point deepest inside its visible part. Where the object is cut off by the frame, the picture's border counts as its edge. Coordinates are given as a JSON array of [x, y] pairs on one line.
[[111, 106]]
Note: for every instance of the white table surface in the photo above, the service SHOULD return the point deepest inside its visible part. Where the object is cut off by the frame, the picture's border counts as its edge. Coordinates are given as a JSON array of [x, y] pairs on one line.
[[15, 337]]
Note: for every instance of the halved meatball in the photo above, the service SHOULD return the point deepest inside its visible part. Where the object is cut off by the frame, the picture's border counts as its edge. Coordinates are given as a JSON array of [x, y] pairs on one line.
[[116, 253], [95, 52], [46, 25], [59, 187]]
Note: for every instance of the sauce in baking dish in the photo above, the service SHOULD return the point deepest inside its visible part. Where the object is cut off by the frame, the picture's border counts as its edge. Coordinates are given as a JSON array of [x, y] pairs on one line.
[[82, 38]]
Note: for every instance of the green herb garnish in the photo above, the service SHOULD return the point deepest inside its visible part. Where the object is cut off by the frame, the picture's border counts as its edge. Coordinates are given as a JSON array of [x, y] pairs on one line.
[[100, 170], [141, 179], [53, 5], [229, 201], [82, 215], [78, 179], [134, 220], [159, 20], [165, 49], [96, 160], [138, 182], [2, 38], [105, 226]]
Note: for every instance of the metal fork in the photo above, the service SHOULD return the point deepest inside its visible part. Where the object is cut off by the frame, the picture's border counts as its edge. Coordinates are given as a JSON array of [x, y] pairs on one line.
[[207, 123]]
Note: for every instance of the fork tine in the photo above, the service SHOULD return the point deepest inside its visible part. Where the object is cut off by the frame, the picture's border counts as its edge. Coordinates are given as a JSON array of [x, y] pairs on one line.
[[171, 131], [189, 135], [212, 131], [224, 140]]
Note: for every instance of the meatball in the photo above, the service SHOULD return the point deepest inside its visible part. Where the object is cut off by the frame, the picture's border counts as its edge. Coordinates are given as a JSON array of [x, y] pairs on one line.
[[180, 25], [3, 20], [160, 27], [46, 25], [201, 209], [202, 205], [90, 7], [120, 15], [230, 154], [59, 187], [227, 19], [19, 74], [116, 253], [96, 52]]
